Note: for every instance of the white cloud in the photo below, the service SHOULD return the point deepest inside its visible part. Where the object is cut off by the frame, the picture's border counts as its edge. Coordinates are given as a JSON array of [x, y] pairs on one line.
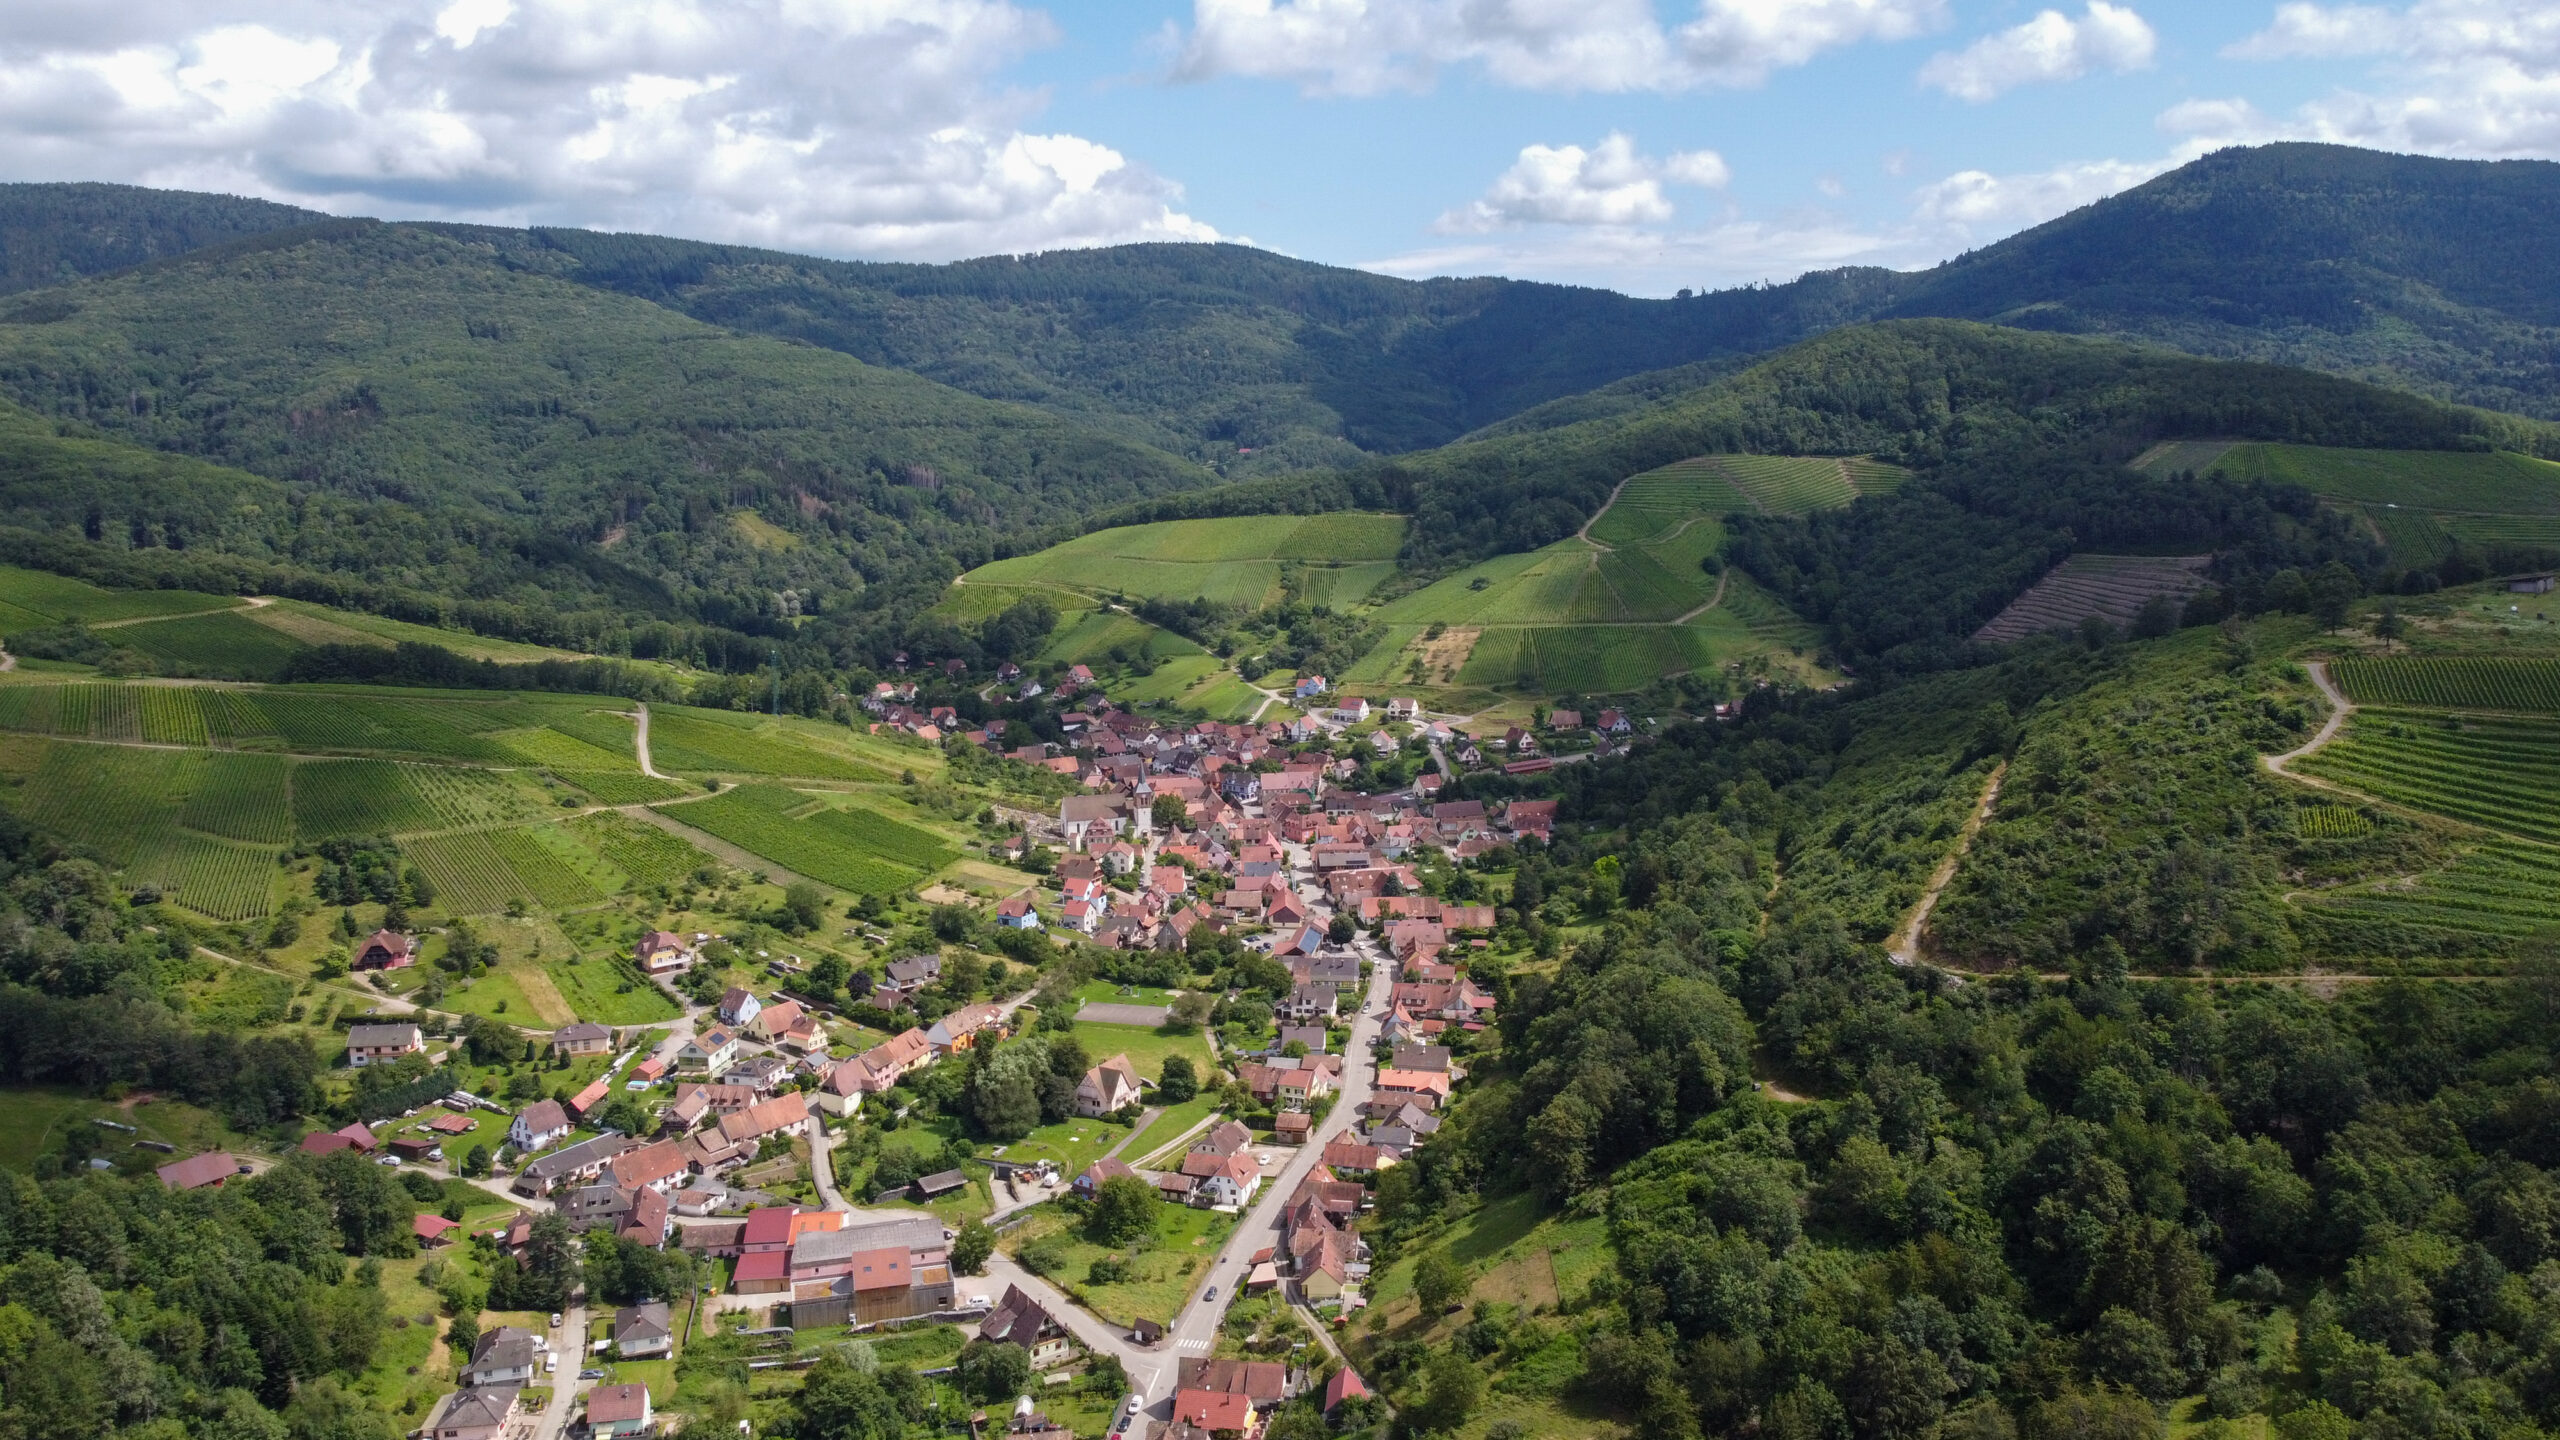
[[1364, 47], [2471, 78], [1978, 204], [2052, 46], [1608, 184], [871, 127]]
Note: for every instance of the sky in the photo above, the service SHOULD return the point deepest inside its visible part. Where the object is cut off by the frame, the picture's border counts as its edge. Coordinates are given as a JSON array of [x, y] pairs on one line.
[[1647, 146]]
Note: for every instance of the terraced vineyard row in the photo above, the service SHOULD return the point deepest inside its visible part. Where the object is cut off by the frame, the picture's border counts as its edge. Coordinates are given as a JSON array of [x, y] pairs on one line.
[[829, 845], [708, 741], [1789, 485], [2109, 587], [2503, 774], [2497, 893], [2451, 682], [244, 797], [220, 879]]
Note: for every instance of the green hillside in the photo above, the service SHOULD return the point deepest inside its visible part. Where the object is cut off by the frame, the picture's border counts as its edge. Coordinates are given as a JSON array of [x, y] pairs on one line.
[[1335, 559], [2420, 502], [544, 457]]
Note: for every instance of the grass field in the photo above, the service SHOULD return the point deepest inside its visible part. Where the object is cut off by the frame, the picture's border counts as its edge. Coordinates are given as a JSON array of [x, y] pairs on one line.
[[33, 1120], [1094, 636], [1164, 1272], [2501, 773], [852, 849]]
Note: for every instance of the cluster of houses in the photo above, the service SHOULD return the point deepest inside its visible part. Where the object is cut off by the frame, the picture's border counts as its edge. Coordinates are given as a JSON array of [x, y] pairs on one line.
[[831, 1269], [506, 1360]]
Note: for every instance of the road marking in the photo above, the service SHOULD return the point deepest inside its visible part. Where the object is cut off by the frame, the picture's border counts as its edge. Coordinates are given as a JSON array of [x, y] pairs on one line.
[[1192, 1345]]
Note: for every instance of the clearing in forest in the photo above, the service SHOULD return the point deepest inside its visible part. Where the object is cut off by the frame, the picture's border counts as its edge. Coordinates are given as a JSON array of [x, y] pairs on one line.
[[2113, 588]]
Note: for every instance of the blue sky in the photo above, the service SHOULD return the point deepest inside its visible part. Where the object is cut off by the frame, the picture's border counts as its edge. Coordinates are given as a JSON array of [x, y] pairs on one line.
[[1644, 145]]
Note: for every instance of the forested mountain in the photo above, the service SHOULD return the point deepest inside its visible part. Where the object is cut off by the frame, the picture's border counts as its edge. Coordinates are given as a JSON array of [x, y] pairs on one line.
[[444, 422], [2021, 440], [2428, 275]]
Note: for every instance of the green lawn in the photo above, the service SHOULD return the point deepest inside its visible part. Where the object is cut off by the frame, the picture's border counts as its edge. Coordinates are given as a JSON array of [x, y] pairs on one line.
[[1145, 1047], [593, 988], [1112, 992], [34, 1120], [1163, 1275], [1074, 1144], [1168, 1124]]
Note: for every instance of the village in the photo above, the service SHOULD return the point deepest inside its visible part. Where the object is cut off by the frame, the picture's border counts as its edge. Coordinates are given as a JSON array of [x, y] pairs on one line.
[[1175, 835]]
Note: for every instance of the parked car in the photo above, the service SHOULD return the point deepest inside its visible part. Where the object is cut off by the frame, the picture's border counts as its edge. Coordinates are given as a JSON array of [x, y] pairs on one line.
[[590, 1374]]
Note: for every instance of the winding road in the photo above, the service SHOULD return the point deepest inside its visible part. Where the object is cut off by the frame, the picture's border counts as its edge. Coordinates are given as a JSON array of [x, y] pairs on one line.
[[2340, 707]]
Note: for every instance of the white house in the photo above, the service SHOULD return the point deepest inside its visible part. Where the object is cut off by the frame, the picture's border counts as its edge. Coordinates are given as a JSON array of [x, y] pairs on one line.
[[1108, 1087], [544, 1122]]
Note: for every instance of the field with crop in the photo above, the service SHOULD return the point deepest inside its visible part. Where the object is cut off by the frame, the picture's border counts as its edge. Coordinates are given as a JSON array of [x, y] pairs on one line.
[[221, 879], [226, 643], [851, 849], [613, 787], [2499, 772], [2451, 682], [1233, 561], [2113, 588], [59, 599], [705, 742], [644, 853], [2495, 896], [243, 797]]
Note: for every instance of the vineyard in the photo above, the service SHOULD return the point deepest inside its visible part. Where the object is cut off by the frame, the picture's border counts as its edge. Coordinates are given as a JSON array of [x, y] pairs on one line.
[[113, 799], [617, 788], [716, 742], [220, 879], [2452, 683], [226, 643], [843, 848], [2496, 772], [341, 798], [2496, 895], [645, 853], [58, 599], [2334, 822], [2113, 588], [243, 797], [471, 877]]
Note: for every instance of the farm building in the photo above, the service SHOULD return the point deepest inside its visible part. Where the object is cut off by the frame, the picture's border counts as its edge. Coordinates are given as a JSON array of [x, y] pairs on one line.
[[198, 1171], [2529, 585]]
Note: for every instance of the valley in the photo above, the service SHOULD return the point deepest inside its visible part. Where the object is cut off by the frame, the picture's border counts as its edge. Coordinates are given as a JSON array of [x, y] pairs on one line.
[[1188, 844]]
